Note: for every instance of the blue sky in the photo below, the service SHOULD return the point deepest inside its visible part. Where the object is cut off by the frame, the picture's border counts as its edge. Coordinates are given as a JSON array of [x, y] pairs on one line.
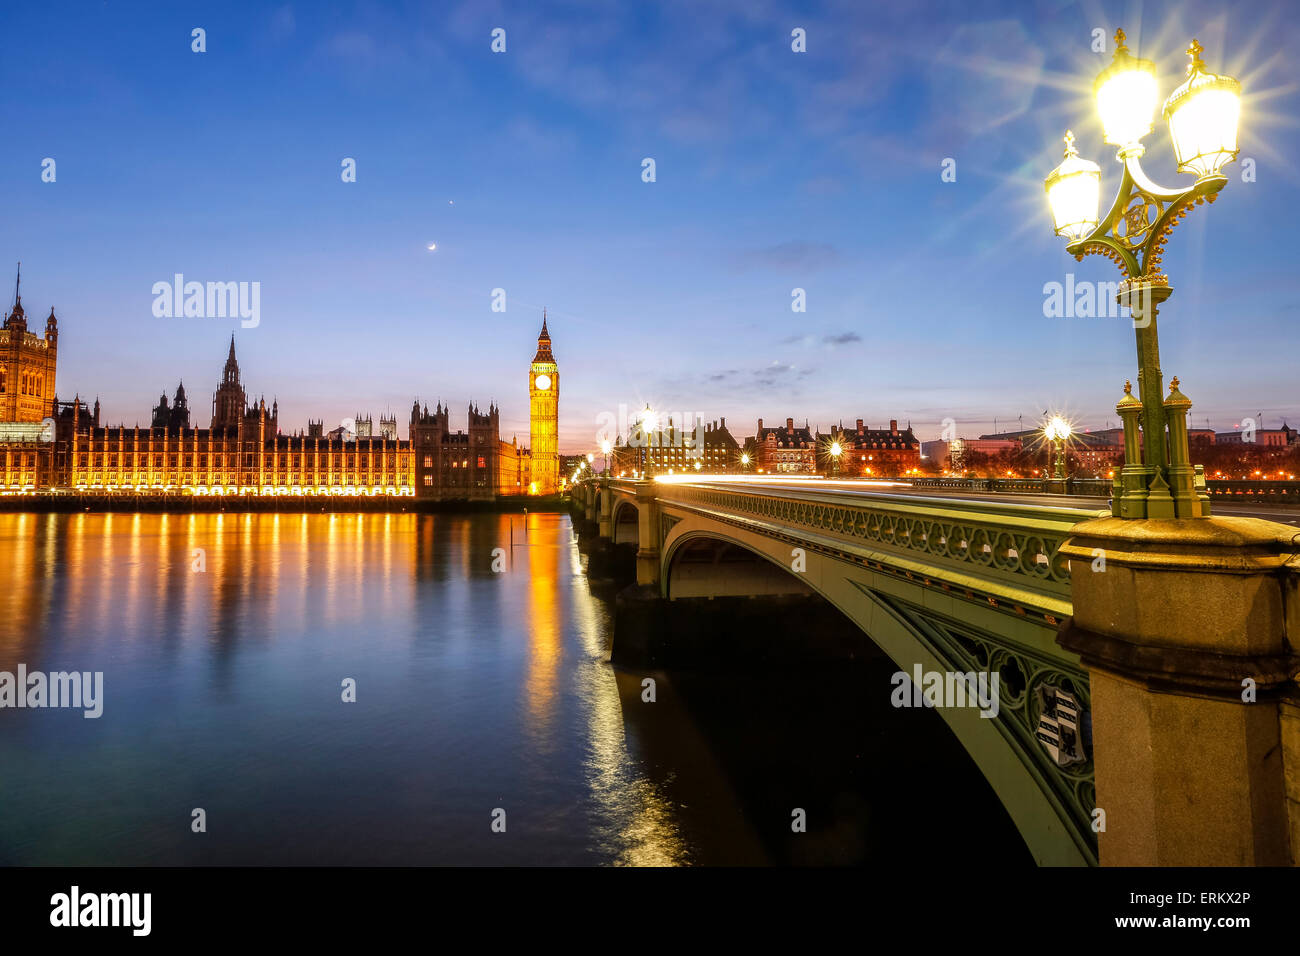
[[774, 170]]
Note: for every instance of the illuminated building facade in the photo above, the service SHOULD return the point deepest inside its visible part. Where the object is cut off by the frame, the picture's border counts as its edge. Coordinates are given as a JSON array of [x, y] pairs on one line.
[[718, 452], [785, 450], [242, 451], [50, 445], [873, 452], [544, 416], [27, 365]]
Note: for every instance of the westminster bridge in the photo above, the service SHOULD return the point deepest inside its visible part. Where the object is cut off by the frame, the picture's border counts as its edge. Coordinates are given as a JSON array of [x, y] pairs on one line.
[[1175, 641]]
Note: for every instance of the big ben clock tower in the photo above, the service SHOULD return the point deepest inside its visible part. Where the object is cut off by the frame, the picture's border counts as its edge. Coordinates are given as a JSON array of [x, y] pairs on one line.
[[544, 416]]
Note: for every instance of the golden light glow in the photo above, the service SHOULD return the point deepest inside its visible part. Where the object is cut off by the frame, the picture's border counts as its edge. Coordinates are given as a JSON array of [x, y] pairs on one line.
[[1126, 95], [1203, 114], [649, 421], [1057, 429], [1074, 193], [542, 382]]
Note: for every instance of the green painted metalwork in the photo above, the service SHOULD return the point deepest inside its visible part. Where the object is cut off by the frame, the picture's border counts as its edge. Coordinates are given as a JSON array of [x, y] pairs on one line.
[[1006, 551], [1157, 481]]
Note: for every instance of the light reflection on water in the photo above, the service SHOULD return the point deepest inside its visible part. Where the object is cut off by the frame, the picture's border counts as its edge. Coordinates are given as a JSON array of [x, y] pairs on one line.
[[475, 690]]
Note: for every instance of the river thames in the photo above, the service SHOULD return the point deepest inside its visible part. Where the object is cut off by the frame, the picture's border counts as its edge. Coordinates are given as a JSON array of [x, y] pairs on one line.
[[480, 655]]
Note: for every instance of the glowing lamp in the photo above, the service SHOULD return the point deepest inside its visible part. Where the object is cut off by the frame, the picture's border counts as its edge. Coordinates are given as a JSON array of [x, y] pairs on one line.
[[1126, 96], [1058, 429], [1074, 192], [1202, 116]]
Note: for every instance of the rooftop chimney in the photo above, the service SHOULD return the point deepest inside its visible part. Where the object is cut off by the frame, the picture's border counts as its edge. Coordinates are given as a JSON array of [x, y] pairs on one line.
[[893, 426], [859, 426], [789, 426]]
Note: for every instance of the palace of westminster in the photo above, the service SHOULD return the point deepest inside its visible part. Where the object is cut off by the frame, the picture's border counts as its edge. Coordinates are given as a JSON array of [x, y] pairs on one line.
[[48, 444]]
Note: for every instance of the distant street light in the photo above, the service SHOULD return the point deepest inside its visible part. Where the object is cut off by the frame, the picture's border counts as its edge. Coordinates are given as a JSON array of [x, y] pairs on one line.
[[605, 448], [1057, 431], [1158, 480]]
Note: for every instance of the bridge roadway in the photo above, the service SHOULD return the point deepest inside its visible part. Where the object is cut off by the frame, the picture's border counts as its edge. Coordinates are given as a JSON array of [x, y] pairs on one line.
[[1090, 506]]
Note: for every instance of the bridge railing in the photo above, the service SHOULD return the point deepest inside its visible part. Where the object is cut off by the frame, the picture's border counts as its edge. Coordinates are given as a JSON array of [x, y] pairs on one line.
[[1086, 487], [1264, 492], [1008, 549]]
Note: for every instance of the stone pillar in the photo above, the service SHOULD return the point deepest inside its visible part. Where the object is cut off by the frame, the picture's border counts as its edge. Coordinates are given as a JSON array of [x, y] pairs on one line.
[[1189, 630], [647, 554], [606, 510], [589, 499]]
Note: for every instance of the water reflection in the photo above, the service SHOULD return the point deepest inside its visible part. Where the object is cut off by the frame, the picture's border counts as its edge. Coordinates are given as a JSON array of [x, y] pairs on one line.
[[224, 639]]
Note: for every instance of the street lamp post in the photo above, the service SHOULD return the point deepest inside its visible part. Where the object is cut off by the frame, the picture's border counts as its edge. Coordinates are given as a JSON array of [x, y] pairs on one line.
[[1057, 431], [744, 461], [605, 447], [1157, 480], [836, 450]]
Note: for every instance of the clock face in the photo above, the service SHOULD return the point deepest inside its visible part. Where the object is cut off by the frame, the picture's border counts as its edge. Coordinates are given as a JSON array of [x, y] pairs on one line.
[[543, 382]]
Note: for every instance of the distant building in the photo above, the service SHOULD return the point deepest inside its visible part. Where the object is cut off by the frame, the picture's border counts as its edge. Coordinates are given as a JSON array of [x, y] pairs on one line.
[[675, 449], [1264, 437], [172, 417], [242, 449], [472, 465], [544, 416], [958, 452], [785, 450], [27, 366], [872, 452]]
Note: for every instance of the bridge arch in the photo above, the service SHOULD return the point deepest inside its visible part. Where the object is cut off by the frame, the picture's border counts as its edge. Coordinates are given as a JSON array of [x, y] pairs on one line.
[[1049, 813], [624, 522]]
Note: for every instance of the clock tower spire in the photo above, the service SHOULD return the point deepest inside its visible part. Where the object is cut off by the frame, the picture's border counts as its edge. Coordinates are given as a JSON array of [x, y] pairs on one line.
[[544, 416]]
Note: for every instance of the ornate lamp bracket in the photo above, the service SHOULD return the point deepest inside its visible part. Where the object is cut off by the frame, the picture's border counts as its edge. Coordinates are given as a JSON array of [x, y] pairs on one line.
[[1134, 232]]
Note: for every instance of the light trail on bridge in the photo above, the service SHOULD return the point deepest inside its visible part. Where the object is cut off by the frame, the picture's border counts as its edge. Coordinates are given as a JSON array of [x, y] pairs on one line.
[[1090, 505]]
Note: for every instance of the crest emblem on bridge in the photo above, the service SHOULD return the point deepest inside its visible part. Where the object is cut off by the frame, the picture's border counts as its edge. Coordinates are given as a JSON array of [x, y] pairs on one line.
[[1059, 723]]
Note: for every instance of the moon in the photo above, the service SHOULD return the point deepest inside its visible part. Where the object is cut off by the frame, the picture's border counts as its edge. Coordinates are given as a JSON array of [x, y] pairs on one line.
[[433, 246]]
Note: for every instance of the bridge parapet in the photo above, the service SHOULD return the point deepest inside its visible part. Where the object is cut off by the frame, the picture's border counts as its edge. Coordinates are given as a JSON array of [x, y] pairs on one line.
[[1006, 550]]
